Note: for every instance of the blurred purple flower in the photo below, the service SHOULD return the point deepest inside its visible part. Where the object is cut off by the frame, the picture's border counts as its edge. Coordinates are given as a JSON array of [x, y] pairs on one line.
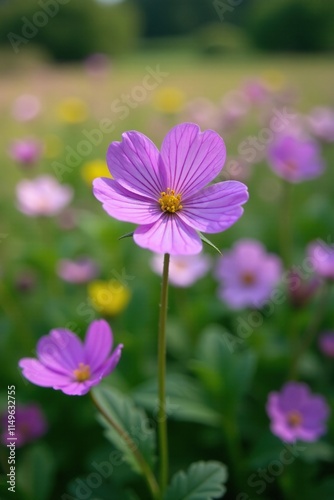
[[295, 413], [255, 91], [326, 344], [301, 290], [30, 424], [97, 64], [248, 274], [322, 258], [295, 159], [67, 364], [184, 270], [25, 281], [27, 152], [165, 192], [321, 123], [26, 107], [77, 271], [42, 196]]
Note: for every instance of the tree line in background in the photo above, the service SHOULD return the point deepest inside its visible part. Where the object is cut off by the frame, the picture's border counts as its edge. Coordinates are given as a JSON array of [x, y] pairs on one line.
[[72, 29]]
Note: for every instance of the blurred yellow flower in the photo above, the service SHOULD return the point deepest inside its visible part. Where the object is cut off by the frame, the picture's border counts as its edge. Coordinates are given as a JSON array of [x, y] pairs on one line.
[[93, 169], [169, 100], [108, 297], [53, 146], [72, 110], [274, 79]]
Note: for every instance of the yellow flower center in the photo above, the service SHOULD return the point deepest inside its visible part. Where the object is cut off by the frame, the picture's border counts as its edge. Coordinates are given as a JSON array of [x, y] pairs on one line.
[[82, 373], [169, 201], [294, 418]]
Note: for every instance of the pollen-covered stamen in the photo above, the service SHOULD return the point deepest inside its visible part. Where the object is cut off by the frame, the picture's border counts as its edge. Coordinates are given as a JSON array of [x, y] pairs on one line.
[[295, 419], [169, 201], [82, 373]]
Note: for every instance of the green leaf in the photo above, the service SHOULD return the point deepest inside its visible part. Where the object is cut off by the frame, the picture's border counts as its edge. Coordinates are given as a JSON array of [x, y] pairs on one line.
[[35, 474], [132, 421], [202, 481], [208, 242], [225, 373], [127, 235], [184, 399]]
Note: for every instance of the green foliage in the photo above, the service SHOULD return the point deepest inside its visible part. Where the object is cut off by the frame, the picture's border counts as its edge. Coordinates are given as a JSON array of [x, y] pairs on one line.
[[71, 31], [133, 423], [202, 481], [36, 473], [185, 400], [292, 25]]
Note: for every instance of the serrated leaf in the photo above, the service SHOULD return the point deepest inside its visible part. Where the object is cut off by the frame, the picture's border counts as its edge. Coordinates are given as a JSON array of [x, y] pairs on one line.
[[202, 481], [184, 400], [131, 420], [208, 242]]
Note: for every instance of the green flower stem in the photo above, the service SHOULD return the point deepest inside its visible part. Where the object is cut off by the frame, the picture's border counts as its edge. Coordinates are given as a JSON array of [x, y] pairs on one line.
[[312, 330], [162, 415], [285, 224], [145, 468]]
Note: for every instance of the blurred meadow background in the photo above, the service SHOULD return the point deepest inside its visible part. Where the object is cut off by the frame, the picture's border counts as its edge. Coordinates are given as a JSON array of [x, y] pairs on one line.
[[77, 74]]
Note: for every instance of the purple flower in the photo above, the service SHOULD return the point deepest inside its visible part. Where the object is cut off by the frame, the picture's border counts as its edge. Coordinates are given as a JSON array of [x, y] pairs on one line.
[[30, 424], [326, 344], [295, 413], [26, 107], [42, 196], [301, 290], [77, 271], [184, 270], [248, 274], [165, 192], [322, 258], [26, 152], [295, 159], [321, 123], [67, 364]]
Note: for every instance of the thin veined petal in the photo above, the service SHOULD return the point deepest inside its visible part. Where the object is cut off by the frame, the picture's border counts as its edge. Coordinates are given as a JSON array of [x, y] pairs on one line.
[[77, 388], [133, 163], [123, 204], [109, 365], [98, 344], [191, 159], [61, 348], [38, 374], [215, 208], [168, 235]]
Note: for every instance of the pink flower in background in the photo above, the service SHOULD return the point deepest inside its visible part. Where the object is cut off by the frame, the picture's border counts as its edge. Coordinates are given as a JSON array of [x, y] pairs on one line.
[[30, 424], [66, 363], [301, 290], [165, 192], [295, 159], [184, 270], [42, 196], [26, 151], [321, 123], [26, 107], [326, 344], [255, 91], [248, 274], [295, 413], [77, 271], [97, 64], [322, 258]]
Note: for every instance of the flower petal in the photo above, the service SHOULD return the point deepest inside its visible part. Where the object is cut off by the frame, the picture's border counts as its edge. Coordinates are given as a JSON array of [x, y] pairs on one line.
[[123, 204], [38, 374], [60, 351], [98, 344], [109, 365], [168, 235], [215, 208], [133, 163], [191, 159], [77, 388]]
